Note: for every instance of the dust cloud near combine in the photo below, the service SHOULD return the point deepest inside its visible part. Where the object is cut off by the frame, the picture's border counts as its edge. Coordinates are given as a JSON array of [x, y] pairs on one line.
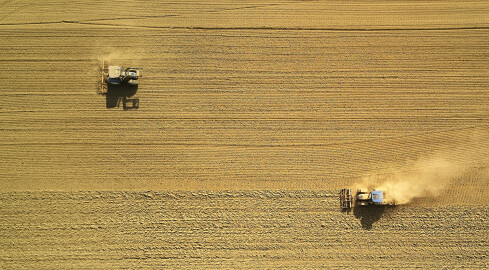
[[118, 54], [428, 176]]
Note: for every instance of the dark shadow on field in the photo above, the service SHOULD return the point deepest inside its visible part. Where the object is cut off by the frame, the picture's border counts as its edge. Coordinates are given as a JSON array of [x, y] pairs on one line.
[[117, 94], [369, 214]]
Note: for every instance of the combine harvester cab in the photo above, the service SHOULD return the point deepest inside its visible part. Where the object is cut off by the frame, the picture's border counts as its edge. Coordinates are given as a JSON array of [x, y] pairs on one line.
[[115, 75]]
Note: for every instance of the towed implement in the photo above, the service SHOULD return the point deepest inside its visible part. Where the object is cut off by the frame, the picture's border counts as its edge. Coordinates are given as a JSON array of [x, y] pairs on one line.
[[346, 200]]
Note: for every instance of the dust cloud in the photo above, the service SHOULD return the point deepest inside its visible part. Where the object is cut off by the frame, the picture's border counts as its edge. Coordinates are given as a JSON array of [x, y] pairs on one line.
[[426, 177], [117, 53], [116, 56]]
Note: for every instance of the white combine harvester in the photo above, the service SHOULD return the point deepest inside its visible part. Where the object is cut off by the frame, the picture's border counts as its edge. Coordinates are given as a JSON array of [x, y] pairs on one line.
[[117, 75], [363, 197]]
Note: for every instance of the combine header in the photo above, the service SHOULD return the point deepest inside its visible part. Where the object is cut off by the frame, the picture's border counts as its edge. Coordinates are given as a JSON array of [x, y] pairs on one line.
[[117, 75]]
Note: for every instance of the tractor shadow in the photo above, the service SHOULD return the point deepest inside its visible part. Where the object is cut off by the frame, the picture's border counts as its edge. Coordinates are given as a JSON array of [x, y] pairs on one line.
[[370, 214], [121, 94]]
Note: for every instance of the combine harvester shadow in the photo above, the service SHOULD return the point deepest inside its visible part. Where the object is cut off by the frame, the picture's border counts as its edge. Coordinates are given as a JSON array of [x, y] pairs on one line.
[[117, 94]]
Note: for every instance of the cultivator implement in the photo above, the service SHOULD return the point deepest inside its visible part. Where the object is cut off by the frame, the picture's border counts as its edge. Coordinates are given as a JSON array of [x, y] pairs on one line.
[[346, 199]]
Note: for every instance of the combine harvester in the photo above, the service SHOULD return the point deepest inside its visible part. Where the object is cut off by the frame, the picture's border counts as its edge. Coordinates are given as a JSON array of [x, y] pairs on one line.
[[363, 197], [117, 75]]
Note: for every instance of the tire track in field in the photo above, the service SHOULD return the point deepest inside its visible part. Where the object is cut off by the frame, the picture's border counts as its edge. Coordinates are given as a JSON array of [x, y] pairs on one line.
[[325, 29], [13, 12], [4, 3]]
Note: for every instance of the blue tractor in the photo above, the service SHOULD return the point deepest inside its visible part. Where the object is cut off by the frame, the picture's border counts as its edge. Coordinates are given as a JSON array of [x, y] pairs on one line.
[[364, 197]]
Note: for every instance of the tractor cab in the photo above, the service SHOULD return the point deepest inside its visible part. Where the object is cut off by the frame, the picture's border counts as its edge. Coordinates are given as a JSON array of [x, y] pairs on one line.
[[377, 197]]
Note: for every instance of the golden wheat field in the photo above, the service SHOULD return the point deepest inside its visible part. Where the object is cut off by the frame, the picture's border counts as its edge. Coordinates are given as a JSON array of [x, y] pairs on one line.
[[252, 115]]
